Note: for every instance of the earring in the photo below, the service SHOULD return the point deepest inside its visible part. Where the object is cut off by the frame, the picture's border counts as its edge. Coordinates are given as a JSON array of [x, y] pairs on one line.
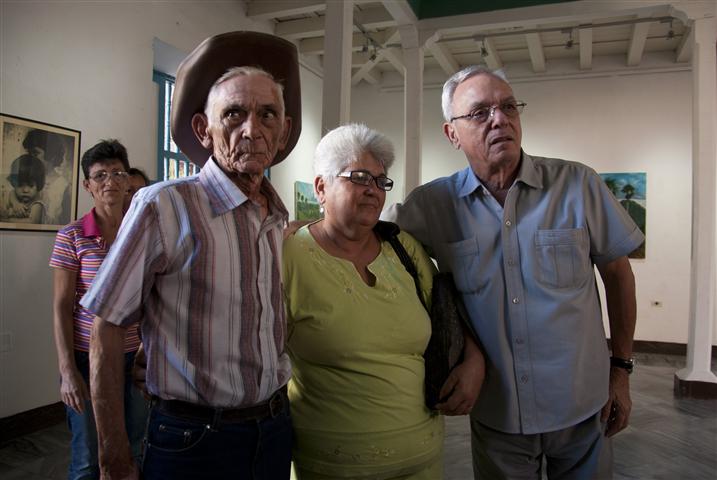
[[321, 209]]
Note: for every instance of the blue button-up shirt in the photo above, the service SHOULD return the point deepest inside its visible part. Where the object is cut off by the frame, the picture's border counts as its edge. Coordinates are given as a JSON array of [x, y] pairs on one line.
[[525, 272]]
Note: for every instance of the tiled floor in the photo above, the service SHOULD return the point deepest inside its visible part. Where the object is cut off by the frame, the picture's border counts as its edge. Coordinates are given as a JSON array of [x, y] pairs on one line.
[[668, 438]]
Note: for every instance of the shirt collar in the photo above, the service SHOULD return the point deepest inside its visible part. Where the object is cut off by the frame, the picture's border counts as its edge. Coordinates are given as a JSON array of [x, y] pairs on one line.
[[90, 228], [224, 195], [527, 173]]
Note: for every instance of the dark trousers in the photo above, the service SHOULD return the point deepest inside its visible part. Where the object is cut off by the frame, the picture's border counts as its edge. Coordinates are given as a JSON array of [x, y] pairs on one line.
[[178, 448]]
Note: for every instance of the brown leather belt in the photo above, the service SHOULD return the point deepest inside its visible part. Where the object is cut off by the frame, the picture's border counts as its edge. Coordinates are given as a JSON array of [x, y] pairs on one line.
[[213, 416]]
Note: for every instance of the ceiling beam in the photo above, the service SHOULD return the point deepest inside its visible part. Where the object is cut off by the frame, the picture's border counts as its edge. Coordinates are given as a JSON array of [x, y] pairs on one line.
[[370, 18], [585, 40], [537, 55], [298, 29], [684, 49], [578, 12], [364, 69], [315, 45], [490, 56], [389, 37], [637, 43], [395, 57], [401, 11], [263, 10], [444, 57]]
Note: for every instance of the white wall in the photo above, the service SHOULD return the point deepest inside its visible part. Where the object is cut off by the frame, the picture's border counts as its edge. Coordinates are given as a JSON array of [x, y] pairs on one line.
[[88, 66], [638, 123]]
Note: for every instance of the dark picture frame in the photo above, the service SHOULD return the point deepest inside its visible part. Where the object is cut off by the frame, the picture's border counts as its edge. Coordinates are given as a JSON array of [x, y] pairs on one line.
[[39, 174]]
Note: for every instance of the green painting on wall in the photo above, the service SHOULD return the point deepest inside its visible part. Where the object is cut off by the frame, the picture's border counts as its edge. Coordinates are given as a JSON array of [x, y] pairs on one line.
[[306, 206], [631, 191]]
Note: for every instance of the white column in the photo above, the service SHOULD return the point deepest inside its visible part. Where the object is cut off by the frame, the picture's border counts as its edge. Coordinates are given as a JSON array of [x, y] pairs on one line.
[[704, 208], [338, 38], [412, 105]]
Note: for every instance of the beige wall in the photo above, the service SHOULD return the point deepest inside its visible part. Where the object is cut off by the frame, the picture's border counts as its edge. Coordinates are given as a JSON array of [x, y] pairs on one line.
[[636, 123]]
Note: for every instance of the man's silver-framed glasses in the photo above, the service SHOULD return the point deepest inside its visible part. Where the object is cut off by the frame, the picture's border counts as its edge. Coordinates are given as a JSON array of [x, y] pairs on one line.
[[482, 114], [362, 177], [102, 176]]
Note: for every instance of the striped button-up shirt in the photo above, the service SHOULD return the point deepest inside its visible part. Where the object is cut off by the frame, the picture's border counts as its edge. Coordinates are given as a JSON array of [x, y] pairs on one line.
[[197, 265], [80, 248]]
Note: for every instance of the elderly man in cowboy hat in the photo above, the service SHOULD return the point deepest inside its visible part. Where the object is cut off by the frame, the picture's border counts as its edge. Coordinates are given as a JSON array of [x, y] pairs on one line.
[[197, 262]]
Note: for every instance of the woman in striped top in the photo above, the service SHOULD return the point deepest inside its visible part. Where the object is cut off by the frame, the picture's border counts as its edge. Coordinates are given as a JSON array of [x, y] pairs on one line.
[[80, 248]]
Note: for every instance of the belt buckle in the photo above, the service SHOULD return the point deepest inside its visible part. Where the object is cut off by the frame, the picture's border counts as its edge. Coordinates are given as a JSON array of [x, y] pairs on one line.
[[276, 404]]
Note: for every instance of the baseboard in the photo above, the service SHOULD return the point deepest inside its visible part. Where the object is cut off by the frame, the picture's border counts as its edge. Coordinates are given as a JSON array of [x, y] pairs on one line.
[[33, 420], [663, 348]]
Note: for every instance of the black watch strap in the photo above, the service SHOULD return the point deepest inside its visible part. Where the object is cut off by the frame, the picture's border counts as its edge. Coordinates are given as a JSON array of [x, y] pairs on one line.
[[627, 364]]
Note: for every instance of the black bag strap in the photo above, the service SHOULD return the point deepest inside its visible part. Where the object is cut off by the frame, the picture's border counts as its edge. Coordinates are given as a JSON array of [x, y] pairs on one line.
[[389, 231]]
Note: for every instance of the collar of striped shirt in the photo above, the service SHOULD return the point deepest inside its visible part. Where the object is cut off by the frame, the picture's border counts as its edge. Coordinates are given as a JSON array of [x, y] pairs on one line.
[[224, 195], [89, 225]]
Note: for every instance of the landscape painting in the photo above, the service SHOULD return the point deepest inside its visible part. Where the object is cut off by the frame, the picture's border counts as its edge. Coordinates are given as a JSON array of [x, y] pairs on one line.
[[630, 189], [306, 206]]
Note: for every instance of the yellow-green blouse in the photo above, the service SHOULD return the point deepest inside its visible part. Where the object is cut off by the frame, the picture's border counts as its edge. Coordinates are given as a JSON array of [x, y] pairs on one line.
[[357, 388]]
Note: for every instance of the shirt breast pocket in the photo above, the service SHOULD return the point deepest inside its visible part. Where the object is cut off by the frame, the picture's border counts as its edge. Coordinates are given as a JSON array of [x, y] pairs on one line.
[[464, 260], [563, 257]]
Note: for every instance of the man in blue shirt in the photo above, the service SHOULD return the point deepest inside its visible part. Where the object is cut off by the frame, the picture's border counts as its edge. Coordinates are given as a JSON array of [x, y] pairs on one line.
[[521, 235]]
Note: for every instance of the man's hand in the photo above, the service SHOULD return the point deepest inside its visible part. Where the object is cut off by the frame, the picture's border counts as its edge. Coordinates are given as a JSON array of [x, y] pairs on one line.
[[122, 472], [616, 411], [73, 390], [463, 385]]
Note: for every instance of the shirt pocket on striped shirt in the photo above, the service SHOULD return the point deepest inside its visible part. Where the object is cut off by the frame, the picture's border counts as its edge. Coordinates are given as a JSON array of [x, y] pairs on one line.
[[563, 257], [464, 260]]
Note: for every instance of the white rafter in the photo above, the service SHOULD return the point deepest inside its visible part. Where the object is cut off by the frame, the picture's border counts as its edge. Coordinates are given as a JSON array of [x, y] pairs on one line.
[[491, 57], [637, 43], [585, 39], [535, 49], [264, 10], [684, 50], [389, 37], [371, 18], [401, 11], [443, 55]]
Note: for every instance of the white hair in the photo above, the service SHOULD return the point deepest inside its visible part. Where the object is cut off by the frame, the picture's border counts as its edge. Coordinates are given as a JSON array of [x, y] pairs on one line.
[[449, 88], [345, 145], [247, 71]]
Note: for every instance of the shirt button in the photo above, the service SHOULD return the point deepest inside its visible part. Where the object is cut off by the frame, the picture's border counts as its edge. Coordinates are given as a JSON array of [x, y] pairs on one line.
[[519, 341], [524, 379], [508, 223], [515, 300], [511, 263]]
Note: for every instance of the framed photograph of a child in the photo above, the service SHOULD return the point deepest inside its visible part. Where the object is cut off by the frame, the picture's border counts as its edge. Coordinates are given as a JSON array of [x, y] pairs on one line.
[[39, 166]]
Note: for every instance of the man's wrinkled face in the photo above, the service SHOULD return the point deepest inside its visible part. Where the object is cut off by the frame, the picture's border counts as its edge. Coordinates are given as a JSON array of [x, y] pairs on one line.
[[496, 141], [246, 124]]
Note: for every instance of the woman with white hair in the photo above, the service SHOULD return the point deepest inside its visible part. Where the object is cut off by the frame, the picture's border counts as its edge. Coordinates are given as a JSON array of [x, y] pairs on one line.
[[357, 329]]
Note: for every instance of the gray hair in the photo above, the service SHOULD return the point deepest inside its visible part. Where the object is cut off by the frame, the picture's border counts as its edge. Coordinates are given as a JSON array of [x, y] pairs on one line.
[[247, 71], [449, 88], [345, 145]]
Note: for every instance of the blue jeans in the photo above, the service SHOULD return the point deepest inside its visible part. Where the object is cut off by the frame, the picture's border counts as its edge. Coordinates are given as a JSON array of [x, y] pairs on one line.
[[177, 448], [83, 461]]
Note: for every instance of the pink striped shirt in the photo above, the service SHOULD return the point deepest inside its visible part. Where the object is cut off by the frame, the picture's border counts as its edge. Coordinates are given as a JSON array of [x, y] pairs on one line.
[[79, 247], [194, 261]]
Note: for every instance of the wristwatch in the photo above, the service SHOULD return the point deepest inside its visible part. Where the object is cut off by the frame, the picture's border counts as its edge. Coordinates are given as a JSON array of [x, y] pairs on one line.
[[627, 364]]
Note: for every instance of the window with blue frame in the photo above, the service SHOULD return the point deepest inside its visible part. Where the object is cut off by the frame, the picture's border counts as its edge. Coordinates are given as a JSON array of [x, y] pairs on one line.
[[171, 163]]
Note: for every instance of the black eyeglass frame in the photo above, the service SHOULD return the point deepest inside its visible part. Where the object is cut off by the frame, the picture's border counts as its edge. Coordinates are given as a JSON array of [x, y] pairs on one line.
[[519, 106], [387, 182]]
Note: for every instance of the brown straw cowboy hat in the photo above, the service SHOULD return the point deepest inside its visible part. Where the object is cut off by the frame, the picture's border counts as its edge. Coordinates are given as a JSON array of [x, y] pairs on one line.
[[210, 60]]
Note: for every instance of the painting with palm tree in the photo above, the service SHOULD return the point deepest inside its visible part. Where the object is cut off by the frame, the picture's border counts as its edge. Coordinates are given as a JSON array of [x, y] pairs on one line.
[[630, 190], [306, 206]]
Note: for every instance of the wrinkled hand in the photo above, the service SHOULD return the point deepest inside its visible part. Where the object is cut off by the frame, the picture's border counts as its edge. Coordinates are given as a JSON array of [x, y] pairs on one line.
[[73, 390], [139, 371], [616, 411], [117, 470], [463, 385]]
